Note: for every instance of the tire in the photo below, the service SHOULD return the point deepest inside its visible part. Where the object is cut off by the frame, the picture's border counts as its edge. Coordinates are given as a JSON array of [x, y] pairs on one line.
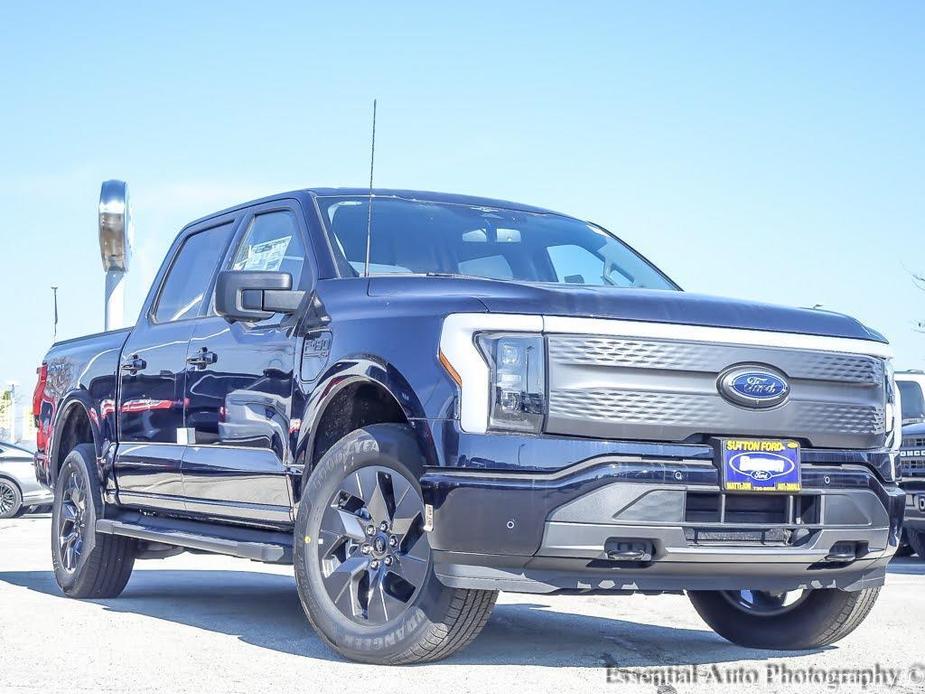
[[10, 499], [904, 549], [392, 614], [819, 618], [916, 542], [86, 564]]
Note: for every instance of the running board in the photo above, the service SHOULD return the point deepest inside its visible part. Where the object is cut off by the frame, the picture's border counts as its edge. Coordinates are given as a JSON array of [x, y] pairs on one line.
[[259, 545]]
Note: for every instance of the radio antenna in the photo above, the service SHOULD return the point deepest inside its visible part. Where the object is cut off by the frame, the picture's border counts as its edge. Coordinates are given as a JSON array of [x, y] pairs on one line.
[[369, 213]]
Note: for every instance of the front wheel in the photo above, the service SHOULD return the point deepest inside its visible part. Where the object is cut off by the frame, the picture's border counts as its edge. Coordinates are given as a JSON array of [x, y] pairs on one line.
[[789, 621], [363, 561]]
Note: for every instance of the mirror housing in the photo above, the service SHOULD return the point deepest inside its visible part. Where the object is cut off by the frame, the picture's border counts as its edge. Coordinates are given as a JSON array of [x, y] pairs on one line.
[[250, 295]]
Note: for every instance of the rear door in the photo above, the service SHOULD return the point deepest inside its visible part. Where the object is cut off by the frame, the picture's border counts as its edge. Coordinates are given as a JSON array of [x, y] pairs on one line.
[[239, 384], [152, 374]]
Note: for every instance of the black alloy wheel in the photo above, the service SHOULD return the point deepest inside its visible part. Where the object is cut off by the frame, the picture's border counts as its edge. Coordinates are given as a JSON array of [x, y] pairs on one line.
[[372, 547], [72, 520]]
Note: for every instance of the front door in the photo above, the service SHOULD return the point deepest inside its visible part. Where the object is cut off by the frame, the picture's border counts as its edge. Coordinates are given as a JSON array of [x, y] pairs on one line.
[[239, 388], [152, 376]]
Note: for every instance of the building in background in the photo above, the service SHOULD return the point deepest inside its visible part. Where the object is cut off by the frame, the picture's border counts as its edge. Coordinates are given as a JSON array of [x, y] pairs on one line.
[[16, 423], [6, 415]]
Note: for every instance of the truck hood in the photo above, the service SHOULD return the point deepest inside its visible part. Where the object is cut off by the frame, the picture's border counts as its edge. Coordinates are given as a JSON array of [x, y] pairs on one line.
[[651, 305]]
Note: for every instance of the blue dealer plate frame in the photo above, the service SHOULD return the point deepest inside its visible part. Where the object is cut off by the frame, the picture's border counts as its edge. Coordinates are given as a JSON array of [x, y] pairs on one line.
[[760, 465]]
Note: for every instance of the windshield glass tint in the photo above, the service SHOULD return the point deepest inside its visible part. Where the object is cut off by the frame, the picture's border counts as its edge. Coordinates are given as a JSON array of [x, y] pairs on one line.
[[412, 237], [913, 403]]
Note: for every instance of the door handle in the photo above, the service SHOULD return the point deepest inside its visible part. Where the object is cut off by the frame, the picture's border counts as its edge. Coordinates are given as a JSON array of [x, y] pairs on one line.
[[134, 365], [202, 358]]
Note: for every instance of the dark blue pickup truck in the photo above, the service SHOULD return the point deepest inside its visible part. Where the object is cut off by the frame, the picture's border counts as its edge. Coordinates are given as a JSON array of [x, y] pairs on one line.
[[421, 399]]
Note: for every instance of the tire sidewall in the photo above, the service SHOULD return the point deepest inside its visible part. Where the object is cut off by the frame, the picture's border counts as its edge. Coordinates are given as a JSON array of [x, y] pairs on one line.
[[393, 447], [78, 462], [17, 506]]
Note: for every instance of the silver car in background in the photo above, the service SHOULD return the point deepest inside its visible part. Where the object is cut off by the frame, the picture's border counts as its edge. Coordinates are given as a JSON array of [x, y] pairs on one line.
[[19, 490]]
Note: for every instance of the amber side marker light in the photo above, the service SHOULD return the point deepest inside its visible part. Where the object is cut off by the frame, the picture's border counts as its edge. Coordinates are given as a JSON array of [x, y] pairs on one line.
[[454, 374]]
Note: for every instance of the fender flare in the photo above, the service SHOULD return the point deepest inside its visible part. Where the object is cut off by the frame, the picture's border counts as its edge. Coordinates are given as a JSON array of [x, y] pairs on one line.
[[75, 399], [347, 372]]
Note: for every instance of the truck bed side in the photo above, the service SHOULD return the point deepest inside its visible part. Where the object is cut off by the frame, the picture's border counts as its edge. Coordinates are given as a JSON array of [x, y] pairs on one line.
[[79, 395]]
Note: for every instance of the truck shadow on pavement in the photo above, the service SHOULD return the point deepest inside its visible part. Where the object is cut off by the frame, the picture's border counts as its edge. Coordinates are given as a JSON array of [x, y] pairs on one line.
[[263, 610], [907, 565]]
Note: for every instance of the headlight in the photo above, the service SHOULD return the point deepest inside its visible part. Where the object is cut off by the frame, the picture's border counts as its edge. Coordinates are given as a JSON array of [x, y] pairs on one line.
[[517, 364]]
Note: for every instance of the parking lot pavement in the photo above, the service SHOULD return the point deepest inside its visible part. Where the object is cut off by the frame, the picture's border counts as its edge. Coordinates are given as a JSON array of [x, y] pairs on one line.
[[211, 624]]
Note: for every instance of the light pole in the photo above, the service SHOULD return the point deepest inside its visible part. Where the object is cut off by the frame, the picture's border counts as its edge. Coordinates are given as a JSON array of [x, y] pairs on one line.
[[115, 236], [54, 330]]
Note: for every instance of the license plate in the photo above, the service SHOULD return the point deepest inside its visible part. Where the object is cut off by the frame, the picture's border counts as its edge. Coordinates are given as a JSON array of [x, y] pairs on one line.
[[760, 465], [920, 502]]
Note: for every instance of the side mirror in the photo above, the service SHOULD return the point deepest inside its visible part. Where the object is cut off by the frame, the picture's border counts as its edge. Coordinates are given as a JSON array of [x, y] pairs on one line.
[[249, 295]]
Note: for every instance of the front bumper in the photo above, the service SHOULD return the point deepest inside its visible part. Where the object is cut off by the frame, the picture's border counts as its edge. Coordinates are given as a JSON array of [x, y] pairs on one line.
[[624, 523]]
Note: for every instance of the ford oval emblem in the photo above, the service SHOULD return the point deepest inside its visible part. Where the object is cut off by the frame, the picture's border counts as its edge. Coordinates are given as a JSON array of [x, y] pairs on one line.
[[754, 386]]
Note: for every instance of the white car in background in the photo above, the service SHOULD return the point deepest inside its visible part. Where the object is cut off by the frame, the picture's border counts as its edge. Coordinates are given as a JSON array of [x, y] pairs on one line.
[[19, 490]]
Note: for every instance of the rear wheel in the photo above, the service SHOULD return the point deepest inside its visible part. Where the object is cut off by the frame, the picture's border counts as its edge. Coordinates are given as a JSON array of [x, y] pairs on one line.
[[363, 561], [87, 565], [10, 499], [916, 541], [790, 621]]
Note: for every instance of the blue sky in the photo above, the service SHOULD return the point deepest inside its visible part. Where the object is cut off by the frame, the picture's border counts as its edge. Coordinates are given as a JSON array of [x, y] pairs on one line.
[[712, 136]]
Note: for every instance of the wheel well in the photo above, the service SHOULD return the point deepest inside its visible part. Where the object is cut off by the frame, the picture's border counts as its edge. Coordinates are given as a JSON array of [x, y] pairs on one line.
[[75, 429], [355, 406]]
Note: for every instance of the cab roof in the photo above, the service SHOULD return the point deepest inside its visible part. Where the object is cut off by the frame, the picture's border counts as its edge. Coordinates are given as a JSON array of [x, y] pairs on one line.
[[307, 194]]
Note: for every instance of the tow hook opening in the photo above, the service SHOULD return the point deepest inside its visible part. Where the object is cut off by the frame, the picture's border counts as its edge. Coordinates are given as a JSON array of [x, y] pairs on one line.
[[846, 551], [629, 550]]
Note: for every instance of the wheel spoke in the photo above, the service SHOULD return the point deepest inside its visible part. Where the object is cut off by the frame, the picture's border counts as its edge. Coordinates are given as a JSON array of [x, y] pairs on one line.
[[407, 511], [415, 544], [343, 524], [377, 493], [383, 606], [342, 584], [68, 556], [411, 569], [352, 487]]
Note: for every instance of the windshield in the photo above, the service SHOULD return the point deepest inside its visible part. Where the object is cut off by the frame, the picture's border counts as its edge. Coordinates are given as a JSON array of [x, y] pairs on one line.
[[913, 403], [416, 237]]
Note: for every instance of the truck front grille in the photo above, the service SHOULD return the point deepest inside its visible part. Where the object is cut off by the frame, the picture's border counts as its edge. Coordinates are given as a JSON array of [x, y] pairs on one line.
[[912, 457], [662, 390]]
